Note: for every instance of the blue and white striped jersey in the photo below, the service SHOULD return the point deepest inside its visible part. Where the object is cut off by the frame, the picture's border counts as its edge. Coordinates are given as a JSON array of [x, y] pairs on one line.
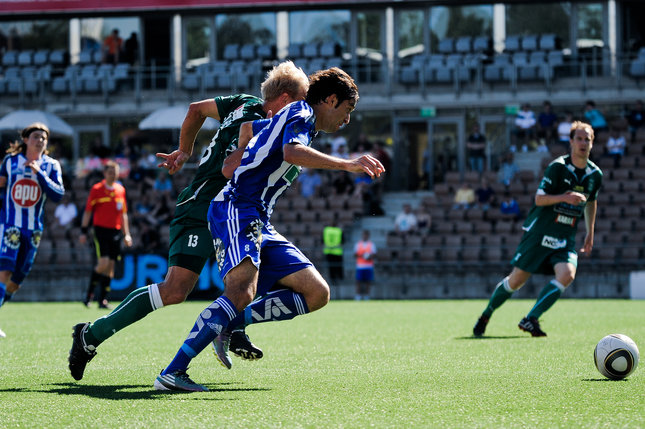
[[263, 174], [26, 192]]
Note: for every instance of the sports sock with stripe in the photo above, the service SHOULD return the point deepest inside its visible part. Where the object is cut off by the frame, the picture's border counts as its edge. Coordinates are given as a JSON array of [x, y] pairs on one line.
[[3, 292], [209, 324], [138, 304], [548, 296], [502, 292], [283, 304]]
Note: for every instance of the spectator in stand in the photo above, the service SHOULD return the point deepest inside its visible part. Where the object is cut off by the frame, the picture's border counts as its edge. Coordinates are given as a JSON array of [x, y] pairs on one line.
[[615, 146], [510, 208], [636, 119], [485, 194], [464, 197], [547, 123], [508, 170], [364, 251], [340, 151], [564, 128], [162, 183], [595, 117], [131, 49], [476, 145], [424, 220], [65, 214], [406, 221], [309, 182], [524, 127], [343, 183], [112, 46], [382, 155]]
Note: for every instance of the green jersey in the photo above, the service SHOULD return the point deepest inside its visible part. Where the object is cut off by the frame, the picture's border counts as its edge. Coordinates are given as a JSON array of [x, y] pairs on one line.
[[559, 222], [193, 202]]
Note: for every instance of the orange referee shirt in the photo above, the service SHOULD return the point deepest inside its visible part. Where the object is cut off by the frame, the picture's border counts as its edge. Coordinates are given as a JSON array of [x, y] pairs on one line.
[[107, 205]]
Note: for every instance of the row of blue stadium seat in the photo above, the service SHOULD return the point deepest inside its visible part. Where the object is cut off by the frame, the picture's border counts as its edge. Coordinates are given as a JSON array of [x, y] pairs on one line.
[[30, 57], [447, 68], [484, 44]]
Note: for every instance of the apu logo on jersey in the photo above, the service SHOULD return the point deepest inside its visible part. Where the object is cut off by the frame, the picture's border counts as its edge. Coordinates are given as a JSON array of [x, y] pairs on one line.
[[26, 192], [272, 307]]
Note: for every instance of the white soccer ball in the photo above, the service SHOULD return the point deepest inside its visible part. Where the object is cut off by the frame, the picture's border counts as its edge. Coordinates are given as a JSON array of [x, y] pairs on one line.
[[616, 356]]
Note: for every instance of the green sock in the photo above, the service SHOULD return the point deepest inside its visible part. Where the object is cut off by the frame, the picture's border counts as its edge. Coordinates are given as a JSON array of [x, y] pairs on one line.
[[500, 295], [134, 307], [548, 296]]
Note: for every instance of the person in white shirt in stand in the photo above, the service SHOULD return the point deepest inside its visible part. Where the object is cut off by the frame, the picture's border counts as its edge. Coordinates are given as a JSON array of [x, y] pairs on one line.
[[65, 214], [525, 127], [406, 221], [616, 146]]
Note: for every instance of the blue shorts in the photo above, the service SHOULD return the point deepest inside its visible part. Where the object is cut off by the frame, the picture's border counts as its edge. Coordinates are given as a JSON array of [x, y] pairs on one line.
[[18, 251], [364, 274], [241, 232]]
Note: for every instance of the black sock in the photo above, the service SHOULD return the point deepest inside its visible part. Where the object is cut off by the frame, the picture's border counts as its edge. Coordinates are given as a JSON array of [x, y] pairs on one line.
[[94, 282], [104, 283]]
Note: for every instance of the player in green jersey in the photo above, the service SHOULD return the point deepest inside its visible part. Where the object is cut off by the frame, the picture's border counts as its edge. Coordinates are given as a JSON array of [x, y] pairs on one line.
[[191, 243], [568, 191]]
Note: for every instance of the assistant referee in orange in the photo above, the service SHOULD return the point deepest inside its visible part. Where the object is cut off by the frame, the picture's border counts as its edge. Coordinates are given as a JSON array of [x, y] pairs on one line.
[[106, 207]]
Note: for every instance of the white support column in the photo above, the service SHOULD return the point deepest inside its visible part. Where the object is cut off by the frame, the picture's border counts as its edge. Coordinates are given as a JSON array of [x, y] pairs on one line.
[[74, 39], [499, 27], [176, 53], [282, 34]]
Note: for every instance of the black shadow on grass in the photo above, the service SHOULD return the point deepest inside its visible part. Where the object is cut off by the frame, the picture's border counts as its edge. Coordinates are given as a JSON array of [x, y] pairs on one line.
[[491, 337], [123, 392], [603, 379]]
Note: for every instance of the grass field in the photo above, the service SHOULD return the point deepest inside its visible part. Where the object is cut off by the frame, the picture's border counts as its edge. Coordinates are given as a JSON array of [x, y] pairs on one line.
[[392, 364]]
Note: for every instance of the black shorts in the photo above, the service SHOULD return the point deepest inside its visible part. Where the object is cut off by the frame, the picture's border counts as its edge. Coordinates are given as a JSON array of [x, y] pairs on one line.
[[107, 242]]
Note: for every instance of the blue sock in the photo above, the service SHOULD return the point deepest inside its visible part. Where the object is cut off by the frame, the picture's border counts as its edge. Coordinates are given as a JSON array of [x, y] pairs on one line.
[[3, 292], [283, 304], [209, 324]]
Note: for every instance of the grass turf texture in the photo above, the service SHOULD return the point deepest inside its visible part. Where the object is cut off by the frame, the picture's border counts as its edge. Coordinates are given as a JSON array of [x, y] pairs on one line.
[[352, 364]]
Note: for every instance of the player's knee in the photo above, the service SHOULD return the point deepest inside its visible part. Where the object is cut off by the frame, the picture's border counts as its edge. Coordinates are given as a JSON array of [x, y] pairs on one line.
[[319, 296], [565, 279], [172, 293]]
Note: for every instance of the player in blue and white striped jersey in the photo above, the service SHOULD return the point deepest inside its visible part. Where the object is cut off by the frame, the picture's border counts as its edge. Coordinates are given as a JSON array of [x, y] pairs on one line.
[[253, 258], [28, 177]]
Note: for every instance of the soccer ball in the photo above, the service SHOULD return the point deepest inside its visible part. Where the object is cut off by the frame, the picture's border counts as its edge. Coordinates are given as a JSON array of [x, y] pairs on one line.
[[616, 356]]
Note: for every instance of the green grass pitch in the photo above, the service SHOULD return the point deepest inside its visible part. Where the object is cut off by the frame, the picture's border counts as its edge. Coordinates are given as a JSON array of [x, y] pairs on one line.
[[395, 364]]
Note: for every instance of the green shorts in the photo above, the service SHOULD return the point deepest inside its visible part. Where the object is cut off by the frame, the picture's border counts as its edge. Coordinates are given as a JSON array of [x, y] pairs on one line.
[[538, 253], [191, 246]]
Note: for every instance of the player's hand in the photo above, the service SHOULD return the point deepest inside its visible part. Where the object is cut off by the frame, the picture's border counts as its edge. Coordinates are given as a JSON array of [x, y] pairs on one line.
[[173, 161], [574, 198], [34, 164], [127, 240], [367, 164], [587, 246]]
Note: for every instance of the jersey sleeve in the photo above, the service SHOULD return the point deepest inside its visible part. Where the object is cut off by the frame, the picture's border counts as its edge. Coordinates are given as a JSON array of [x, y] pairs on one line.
[[549, 181], [297, 131], [594, 194], [258, 124], [3, 167], [89, 205], [52, 184]]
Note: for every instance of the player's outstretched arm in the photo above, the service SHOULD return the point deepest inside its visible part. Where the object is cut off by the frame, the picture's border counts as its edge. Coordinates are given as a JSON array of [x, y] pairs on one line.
[[590, 224], [305, 156]]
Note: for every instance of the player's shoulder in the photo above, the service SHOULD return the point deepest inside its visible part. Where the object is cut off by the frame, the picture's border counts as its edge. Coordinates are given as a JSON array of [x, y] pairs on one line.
[[49, 160], [593, 168]]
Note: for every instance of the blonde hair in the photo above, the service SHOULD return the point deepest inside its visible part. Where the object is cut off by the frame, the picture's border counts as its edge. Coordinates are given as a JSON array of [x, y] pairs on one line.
[[21, 146], [579, 125], [285, 77]]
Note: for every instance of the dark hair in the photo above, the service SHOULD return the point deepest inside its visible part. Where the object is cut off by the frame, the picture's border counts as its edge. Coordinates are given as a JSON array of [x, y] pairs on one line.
[[324, 83], [20, 146]]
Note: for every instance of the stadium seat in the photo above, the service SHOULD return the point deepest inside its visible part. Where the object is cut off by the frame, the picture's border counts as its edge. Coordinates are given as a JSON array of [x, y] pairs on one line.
[[512, 44], [41, 57], [463, 45], [25, 58], [295, 51], [530, 43], [58, 58], [231, 52], [447, 46], [549, 42], [330, 49], [247, 52], [310, 50], [483, 44], [265, 52], [10, 58]]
